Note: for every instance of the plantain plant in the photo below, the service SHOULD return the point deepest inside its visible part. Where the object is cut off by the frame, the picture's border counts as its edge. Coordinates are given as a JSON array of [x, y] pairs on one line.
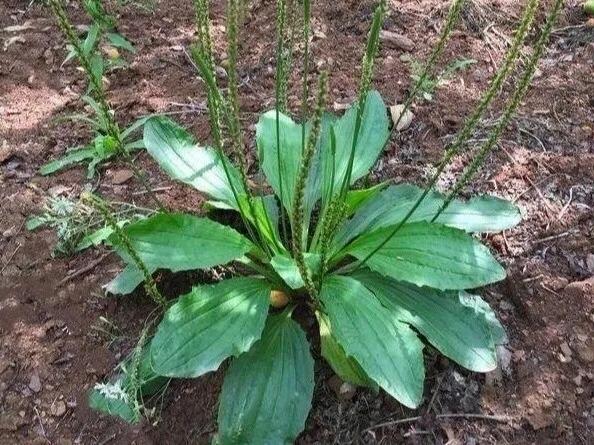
[[383, 270], [109, 139]]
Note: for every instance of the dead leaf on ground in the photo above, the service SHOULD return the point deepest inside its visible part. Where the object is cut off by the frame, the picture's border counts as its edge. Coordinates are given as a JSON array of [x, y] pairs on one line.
[[12, 41], [405, 121], [18, 28]]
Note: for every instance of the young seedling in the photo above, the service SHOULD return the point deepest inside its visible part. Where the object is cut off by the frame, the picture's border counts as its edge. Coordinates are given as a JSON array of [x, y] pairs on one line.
[[109, 139], [377, 268], [430, 83], [79, 226], [102, 35]]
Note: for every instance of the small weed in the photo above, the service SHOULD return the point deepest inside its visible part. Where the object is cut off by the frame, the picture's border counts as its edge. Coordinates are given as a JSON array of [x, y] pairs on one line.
[[79, 226], [429, 84]]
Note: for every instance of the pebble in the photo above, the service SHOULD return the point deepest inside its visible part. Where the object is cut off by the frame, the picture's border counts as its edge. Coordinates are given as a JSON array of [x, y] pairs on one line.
[[343, 390], [590, 262], [566, 350], [58, 409], [35, 383], [121, 176]]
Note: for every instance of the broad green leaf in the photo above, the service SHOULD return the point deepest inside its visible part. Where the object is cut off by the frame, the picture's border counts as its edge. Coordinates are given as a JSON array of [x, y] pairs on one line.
[[120, 41], [389, 351], [290, 143], [177, 241], [208, 325], [70, 158], [480, 214], [431, 255], [267, 391], [177, 153], [265, 217], [373, 135], [126, 281], [345, 367], [357, 198], [461, 326], [287, 268]]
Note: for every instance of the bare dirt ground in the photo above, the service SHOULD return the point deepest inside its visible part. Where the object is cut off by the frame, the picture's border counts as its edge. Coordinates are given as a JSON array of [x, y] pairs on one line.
[[54, 346]]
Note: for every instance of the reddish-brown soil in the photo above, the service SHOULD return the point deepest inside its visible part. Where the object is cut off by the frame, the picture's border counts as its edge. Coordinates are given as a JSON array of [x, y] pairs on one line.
[[55, 342]]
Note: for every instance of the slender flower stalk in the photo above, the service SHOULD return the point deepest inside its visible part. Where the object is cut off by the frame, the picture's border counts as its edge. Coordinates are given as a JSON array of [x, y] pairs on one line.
[[305, 80], [149, 283], [299, 240], [219, 108], [96, 81], [134, 384], [364, 83], [201, 8], [512, 106], [471, 122], [233, 96], [446, 32], [233, 120], [215, 106], [287, 57], [280, 33]]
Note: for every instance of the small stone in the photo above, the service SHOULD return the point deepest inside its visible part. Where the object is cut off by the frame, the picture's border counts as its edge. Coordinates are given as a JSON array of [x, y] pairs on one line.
[[585, 352], [121, 176], [578, 380], [220, 72], [343, 390], [5, 152], [506, 306], [504, 359], [58, 409], [48, 55], [35, 383], [590, 262], [566, 350]]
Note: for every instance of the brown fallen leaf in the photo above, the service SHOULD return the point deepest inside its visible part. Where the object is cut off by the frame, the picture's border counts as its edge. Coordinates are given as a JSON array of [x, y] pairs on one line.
[[405, 121]]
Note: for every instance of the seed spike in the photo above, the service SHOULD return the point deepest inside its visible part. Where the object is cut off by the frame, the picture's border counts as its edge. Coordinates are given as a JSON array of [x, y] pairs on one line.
[[299, 231], [470, 124], [149, 283], [451, 20], [364, 84], [509, 112]]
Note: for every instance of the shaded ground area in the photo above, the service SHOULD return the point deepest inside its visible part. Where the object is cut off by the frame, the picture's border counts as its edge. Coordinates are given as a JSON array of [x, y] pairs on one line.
[[57, 339]]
